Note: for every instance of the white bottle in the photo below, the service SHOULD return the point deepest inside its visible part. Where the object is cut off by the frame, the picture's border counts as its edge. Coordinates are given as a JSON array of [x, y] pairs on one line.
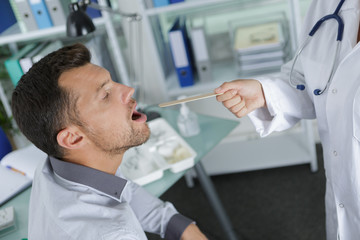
[[187, 122]]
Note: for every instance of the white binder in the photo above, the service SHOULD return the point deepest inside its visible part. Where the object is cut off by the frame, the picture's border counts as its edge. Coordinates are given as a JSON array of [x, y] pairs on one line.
[[201, 54], [26, 14], [57, 12], [26, 62]]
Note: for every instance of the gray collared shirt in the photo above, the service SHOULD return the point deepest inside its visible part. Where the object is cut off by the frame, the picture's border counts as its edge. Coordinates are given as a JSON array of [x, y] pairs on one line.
[[70, 201]]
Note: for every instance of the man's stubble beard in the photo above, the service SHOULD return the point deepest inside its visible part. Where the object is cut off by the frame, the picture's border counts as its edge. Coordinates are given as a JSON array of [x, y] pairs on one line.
[[122, 142]]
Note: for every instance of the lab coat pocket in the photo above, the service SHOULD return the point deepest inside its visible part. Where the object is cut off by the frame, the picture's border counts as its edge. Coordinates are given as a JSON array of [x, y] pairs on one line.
[[356, 115]]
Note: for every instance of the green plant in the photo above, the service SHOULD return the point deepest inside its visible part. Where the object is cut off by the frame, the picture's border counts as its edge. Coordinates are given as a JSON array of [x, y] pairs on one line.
[[5, 121]]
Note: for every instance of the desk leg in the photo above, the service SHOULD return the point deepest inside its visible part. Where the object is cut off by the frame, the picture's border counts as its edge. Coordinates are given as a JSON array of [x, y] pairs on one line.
[[214, 200]]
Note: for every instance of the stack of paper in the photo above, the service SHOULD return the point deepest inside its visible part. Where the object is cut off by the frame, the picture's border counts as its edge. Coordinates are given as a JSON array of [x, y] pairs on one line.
[[259, 47]]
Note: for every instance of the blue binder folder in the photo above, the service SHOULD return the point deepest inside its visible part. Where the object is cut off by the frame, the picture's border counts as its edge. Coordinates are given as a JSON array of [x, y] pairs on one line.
[[160, 3], [7, 17], [176, 1], [41, 13], [180, 50], [93, 13]]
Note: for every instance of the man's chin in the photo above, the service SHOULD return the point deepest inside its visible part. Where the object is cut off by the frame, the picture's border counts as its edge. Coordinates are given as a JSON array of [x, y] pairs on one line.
[[140, 138]]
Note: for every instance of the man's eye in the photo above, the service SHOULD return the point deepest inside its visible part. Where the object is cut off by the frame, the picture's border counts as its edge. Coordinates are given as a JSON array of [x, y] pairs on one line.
[[106, 96]]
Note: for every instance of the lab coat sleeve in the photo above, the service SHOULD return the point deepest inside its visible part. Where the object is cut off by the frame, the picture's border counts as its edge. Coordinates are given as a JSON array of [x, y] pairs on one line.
[[285, 104], [154, 215]]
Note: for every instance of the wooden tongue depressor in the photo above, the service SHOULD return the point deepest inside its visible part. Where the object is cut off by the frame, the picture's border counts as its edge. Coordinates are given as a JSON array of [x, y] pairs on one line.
[[189, 99]]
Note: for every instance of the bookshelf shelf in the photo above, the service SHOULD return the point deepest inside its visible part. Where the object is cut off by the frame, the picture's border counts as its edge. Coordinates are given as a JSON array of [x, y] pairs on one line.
[[184, 6], [13, 34], [198, 4]]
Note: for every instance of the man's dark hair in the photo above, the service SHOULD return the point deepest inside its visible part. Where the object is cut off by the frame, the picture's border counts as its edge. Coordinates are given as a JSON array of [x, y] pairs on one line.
[[42, 108]]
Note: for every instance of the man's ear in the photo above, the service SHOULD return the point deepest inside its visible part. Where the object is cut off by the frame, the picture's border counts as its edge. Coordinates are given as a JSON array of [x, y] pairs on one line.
[[70, 138]]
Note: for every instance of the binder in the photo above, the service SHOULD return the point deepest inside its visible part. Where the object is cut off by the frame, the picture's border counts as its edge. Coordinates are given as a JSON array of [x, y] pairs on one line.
[[149, 4], [179, 47], [7, 17], [176, 1], [57, 12], [13, 66], [25, 14], [48, 48], [41, 14], [93, 13], [201, 54], [160, 3], [4, 141], [26, 61], [19, 20]]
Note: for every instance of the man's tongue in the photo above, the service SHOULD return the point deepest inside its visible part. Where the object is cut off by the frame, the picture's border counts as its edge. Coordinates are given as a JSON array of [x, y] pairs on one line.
[[138, 117]]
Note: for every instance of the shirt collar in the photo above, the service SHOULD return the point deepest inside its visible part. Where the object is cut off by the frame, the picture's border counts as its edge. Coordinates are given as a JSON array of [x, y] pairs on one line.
[[101, 181]]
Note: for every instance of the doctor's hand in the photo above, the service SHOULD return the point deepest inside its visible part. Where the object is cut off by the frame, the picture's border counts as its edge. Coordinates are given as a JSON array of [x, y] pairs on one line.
[[192, 232], [241, 96]]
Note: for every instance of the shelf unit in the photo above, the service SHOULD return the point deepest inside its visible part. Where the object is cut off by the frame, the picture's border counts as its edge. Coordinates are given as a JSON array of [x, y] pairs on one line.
[[171, 88], [242, 150]]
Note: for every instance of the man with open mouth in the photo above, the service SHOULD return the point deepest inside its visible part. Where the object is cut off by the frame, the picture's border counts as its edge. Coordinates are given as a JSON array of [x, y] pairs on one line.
[[73, 111]]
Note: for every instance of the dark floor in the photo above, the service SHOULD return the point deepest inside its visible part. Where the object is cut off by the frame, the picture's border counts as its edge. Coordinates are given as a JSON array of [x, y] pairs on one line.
[[275, 204]]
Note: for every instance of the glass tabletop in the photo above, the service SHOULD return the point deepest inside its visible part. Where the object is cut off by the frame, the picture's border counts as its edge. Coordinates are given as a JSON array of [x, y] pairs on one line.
[[212, 131], [21, 207]]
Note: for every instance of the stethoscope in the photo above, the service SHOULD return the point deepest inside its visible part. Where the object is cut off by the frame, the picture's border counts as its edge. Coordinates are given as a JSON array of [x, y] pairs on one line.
[[335, 16]]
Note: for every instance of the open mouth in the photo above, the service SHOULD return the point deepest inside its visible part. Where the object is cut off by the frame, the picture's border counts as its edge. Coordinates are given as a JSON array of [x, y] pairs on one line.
[[138, 117]]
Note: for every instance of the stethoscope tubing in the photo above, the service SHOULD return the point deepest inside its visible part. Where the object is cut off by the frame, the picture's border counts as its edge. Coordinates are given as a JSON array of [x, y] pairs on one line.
[[339, 37], [335, 16]]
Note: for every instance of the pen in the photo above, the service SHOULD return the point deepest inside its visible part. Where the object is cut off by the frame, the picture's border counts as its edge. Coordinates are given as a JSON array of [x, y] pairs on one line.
[[16, 170]]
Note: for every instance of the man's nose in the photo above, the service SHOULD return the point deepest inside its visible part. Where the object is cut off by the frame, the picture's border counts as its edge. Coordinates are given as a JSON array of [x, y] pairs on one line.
[[126, 93]]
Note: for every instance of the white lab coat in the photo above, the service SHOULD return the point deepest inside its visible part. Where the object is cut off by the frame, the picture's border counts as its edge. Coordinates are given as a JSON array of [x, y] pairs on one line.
[[337, 110]]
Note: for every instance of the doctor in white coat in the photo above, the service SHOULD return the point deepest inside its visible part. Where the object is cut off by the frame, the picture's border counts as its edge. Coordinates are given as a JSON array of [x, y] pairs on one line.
[[274, 104]]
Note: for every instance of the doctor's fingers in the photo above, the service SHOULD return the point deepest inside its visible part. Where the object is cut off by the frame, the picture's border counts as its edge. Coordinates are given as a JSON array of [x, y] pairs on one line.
[[237, 107], [227, 86], [242, 112], [232, 102], [226, 96]]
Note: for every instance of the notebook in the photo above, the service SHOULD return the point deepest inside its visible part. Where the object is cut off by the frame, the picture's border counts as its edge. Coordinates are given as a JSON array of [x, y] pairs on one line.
[[17, 171], [11, 183]]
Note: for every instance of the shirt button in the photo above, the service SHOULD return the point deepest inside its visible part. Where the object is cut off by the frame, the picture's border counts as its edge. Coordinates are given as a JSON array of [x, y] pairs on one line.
[[335, 153], [341, 205], [334, 91]]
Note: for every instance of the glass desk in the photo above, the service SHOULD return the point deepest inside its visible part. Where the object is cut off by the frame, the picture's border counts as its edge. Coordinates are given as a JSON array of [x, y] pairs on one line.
[[213, 130], [21, 207]]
